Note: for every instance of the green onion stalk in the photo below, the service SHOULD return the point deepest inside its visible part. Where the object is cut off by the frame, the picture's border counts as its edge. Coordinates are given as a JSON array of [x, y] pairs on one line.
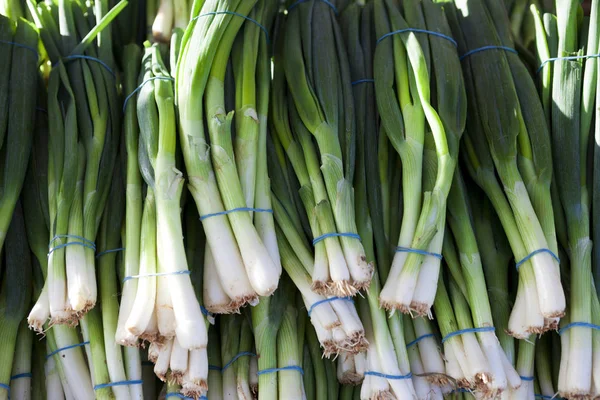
[[230, 327], [67, 370], [411, 283], [244, 266], [351, 368], [21, 383], [133, 193], [170, 14], [215, 382], [543, 367], [496, 259], [499, 112], [86, 134], [471, 280], [322, 111], [243, 369], [534, 147], [15, 295], [18, 85]]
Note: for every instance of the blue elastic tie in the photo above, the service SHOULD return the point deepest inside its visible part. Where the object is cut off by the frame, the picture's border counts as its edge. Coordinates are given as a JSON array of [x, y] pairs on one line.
[[527, 378], [386, 376], [83, 242], [318, 303], [137, 89], [417, 340], [578, 324], [470, 330], [288, 368], [542, 65], [217, 214], [89, 58], [5, 386], [234, 359], [67, 348], [524, 260], [330, 4], [21, 376], [182, 272], [120, 383], [401, 249], [109, 251], [237, 15], [335, 234], [205, 312], [542, 396], [214, 368], [180, 396], [363, 81], [484, 48], [23, 46], [416, 30]]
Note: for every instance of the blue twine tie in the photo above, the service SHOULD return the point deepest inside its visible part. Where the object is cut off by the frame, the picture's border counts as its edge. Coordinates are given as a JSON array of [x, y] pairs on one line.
[[542, 396], [109, 251], [262, 28], [387, 376], [67, 348], [82, 242], [401, 249], [119, 383], [21, 376], [357, 82], [323, 301], [230, 363], [288, 368], [470, 330], [578, 325], [416, 30], [568, 58], [23, 46], [330, 4], [137, 89], [417, 340], [182, 272], [524, 260], [527, 378], [180, 396], [5, 386], [89, 58], [335, 234], [217, 214], [484, 48]]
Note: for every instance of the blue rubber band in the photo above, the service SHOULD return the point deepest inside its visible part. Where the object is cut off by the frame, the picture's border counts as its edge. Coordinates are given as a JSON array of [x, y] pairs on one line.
[[484, 48], [5, 386], [67, 348], [543, 396], [180, 396], [234, 359], [335, 234], [527, 378], [21, 376], [109, 251], [318, 303], [417, 340], [524, 260], [288, 368], [217, 214], [470, 330], [137, 89], [262, 28], [89, 58], [119, 383], [23, 46], [401, 249], [182, 272], [205, 312], [567, 58], [330, 4], [578, 325], [363, 81], [386, 376], [83, 242], [416, 30], [214, 368]]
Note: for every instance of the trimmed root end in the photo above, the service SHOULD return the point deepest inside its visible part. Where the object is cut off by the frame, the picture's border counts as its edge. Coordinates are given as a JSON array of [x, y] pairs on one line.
[[320, 287], [420, 309], [555, 314], [583, 395], [176, 377], [387, 395], [550, 324], [342, 289], [354, 343], [351, 378]]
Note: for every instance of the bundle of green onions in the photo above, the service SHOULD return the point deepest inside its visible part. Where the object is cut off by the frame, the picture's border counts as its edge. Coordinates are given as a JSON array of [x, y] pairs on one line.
[[228, 184], [317, 74], [405, 60], [83, 142]]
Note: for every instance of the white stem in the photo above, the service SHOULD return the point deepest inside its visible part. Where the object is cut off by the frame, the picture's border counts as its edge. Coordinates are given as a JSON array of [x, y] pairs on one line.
[[40, 312], [161, 366], [179, 361], [214, 296]]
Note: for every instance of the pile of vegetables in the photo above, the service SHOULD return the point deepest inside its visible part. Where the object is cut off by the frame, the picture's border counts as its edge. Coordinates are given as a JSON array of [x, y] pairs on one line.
[[299, 199]]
